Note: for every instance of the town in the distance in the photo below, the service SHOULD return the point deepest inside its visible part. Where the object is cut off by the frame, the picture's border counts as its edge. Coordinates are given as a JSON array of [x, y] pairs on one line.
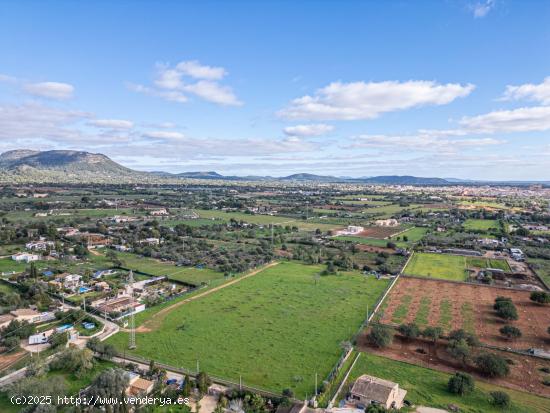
[[304, 294]]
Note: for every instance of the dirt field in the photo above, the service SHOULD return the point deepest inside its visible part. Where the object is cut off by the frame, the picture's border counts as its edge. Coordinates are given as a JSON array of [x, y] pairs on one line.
[[380, 232], [370, 248], [470, 307], [6, 360], [525, 373]]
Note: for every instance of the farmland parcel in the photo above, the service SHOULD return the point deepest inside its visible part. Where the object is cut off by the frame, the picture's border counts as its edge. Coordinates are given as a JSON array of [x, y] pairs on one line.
[[449, 267], [276, 329]]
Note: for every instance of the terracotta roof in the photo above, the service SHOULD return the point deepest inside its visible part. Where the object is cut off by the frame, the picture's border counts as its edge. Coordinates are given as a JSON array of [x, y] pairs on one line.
[[139, 385]]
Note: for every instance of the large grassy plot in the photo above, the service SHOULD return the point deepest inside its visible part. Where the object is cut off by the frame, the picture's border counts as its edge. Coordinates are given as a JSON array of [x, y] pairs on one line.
[[276, 329], [151, 266], [449, 267], [426, 387], [481, 224]]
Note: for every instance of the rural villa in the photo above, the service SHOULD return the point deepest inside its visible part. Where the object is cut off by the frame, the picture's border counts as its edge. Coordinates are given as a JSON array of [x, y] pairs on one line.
[[372, 390]]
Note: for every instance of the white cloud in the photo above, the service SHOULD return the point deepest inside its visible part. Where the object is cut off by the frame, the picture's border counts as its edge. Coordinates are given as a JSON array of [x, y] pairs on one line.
[[170, 95], [35, 122], [50, 90], [164, 135], [529, 91], [194, 69], [112, 123], [360, 100], [7, 78], [213, 92], [316, 129], [176, 83], [508, 121], [481, 9], [419, 142]]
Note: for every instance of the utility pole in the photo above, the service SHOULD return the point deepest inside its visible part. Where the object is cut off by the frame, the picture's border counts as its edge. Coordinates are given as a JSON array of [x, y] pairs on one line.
[[198, 369], [271, 235]]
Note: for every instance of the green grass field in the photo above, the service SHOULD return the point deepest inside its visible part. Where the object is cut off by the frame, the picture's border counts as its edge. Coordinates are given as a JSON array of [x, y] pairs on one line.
[[426, 387], [265, 219], [151, 266], [542, 267], [413, 235], [448, 267], [276, 329], [481, 224], [8, 265]]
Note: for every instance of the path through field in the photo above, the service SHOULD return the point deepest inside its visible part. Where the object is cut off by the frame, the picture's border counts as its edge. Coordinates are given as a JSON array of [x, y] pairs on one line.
[[156, 319]]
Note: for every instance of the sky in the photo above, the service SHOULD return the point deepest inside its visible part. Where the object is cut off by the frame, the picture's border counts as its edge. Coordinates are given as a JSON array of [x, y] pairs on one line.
[[447, 88]]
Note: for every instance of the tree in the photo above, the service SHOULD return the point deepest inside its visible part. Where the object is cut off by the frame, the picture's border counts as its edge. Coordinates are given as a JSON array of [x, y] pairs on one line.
[[58, 339], [33, 272], [203, 382], [375, 408], [36, 367], [75, 360], [540, 297], [38, 387], [505, 308], [12, 343], [187, 386], [110, 383], [459, 349], [461, 383], [432, 333], [380, 336], [288, 393], [500, 399], [492, 365], [460, 334], [409, 331], [510, 332]]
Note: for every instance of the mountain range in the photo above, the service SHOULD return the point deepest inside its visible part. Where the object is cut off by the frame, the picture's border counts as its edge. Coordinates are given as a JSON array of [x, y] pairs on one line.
[[79, 166]]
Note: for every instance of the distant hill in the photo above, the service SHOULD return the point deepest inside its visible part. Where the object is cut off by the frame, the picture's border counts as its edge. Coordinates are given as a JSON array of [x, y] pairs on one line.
[[64, 165], [25, 165]]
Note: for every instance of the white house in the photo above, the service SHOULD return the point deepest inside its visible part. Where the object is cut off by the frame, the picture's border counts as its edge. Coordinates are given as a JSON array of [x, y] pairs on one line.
[[150, 241], [39, 245], [25, 257], [159, 212]]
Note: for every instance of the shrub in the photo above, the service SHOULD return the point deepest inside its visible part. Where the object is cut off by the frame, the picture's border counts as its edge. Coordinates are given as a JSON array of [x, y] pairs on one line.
[[500, 399], [432, 333], [470, 339], [492, 365], [288, 393], [510, 332], [380, 336], [540, 297], [459, 349], [461, 383], [409, 331], [507, 310]]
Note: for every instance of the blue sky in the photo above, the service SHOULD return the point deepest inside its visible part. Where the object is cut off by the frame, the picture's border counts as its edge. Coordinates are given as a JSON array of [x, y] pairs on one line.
[[453, 88]]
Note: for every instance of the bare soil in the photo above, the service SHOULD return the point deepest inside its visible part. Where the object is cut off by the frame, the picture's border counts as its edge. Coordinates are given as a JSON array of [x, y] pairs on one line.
[[525, 373], [534, 319], [380, 232]]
